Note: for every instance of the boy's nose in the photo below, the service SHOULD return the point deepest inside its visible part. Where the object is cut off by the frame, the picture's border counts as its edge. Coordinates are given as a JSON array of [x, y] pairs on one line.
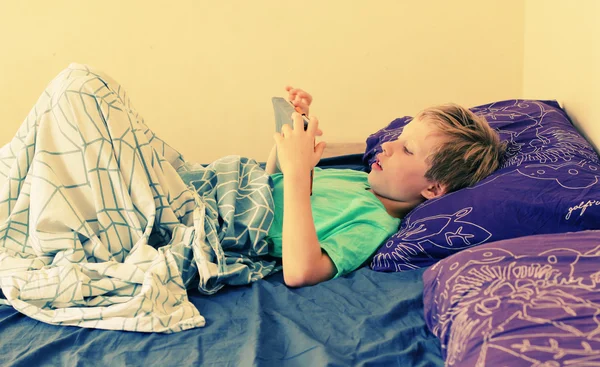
[[386, 147]]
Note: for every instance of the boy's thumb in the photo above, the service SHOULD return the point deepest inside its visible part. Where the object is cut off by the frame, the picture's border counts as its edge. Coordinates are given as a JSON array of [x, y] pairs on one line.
[[319, 148]]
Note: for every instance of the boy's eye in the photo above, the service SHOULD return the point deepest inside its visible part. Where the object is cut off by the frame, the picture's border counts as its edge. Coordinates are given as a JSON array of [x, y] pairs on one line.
[[407, 151]]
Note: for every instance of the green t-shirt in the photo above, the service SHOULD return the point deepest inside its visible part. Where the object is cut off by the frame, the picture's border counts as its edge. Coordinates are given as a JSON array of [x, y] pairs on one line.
[[351, 222]]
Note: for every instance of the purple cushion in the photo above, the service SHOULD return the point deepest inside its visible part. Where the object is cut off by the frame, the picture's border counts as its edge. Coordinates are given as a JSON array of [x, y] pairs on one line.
[[529, 301], [549, 183]]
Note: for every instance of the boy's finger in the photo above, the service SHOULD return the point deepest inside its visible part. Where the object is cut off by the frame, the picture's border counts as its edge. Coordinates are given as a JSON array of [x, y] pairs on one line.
[[300, 107], [298, 121], [313, 125], [305, 96], [320, 148], [286, 129]]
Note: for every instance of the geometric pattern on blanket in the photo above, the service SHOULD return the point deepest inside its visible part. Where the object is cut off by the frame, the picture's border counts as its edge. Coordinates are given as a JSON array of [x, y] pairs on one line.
[[98, 227]]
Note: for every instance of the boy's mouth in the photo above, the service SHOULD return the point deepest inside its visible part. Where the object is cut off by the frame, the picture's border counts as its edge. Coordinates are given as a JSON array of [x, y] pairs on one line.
[[377, 165]]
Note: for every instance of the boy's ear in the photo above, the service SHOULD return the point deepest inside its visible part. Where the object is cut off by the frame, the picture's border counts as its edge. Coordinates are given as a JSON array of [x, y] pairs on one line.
[[434, 190]]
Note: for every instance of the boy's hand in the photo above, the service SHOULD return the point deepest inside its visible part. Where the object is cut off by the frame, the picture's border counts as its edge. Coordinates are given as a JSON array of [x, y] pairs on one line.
[[296, 148], [299, 98]]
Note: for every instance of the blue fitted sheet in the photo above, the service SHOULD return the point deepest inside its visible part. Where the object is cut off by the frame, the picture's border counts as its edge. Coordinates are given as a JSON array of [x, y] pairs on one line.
[[364, 318]]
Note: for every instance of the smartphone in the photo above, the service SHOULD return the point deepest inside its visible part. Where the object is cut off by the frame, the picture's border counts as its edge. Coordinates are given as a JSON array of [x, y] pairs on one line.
[[283, 115]]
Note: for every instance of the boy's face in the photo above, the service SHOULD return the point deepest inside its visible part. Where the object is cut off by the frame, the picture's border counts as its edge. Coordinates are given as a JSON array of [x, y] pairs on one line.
[[399, 172]]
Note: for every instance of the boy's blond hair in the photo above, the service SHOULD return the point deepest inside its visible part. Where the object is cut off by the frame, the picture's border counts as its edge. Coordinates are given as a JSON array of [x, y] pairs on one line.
[[471, 152]]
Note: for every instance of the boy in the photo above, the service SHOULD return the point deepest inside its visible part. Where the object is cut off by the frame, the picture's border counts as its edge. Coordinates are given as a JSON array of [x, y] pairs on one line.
[[351, 213]]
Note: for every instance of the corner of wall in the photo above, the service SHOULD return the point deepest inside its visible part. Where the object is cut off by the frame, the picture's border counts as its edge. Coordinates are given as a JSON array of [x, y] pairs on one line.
[[524, 61]]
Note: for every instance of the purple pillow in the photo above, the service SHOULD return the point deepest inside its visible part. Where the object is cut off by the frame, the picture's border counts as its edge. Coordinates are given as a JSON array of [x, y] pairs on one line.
[[547, 184], [529, 301]]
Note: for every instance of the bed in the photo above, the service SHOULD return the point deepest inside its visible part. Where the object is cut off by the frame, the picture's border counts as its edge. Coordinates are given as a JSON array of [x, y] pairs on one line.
[[356, 320], [502, 273]]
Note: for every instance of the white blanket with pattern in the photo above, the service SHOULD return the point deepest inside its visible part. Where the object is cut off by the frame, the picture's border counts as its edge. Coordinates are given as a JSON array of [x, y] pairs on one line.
[[103, 225]]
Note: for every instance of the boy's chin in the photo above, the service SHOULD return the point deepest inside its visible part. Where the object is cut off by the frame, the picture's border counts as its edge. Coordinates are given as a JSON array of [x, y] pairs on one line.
[[377, 184], [369, 178]]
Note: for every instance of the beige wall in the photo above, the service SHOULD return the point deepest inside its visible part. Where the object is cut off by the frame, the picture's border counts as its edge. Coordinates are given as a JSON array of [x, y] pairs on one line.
[[562, 58], [203, 73]]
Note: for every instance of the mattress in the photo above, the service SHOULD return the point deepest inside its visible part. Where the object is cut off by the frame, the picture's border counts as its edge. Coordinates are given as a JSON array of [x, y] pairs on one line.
[[365, 318]]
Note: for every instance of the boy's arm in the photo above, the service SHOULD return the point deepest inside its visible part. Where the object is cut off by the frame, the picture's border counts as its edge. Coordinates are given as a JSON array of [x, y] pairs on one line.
[[271, 166], [303, 261]]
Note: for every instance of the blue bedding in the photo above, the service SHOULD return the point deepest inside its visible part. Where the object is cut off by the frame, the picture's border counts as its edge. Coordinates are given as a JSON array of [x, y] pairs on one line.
[[365, 318]]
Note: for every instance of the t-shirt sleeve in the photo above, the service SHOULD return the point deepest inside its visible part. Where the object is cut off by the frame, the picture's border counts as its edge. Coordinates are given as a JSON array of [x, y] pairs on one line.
[[351, 246]]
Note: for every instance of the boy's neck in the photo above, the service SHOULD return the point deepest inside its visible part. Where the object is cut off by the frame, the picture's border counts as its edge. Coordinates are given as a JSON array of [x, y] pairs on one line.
[[396, 209]]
